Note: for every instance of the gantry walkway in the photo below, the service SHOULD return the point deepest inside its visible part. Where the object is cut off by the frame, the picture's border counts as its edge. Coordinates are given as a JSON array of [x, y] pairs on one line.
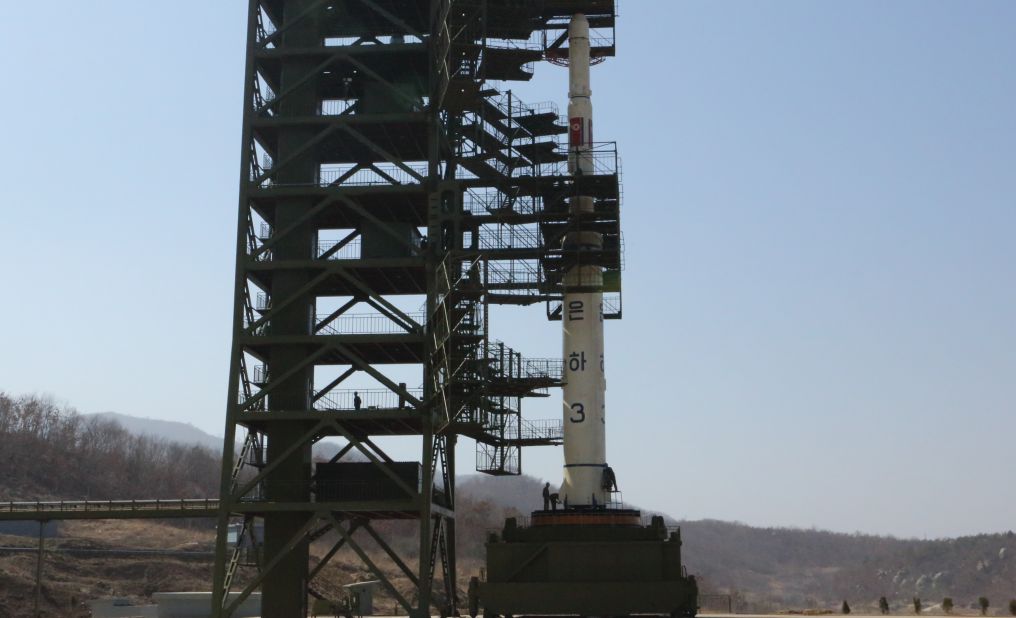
[[108, 509]]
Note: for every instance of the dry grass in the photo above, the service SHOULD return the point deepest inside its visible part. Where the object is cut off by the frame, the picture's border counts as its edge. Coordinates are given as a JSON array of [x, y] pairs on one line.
[[72, 577]]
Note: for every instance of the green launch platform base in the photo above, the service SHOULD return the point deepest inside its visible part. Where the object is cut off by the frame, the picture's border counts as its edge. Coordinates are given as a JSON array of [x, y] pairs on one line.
[[584, 563]]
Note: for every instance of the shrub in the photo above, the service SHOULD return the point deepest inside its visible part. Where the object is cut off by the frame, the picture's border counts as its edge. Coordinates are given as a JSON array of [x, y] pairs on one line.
[[845, 609], [947, 605], [917, 605], [883, 605], [985, 604], [1012, 607]]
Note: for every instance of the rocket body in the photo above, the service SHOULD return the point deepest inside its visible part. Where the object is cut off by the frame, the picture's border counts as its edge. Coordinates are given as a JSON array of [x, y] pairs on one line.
[[584, 409]]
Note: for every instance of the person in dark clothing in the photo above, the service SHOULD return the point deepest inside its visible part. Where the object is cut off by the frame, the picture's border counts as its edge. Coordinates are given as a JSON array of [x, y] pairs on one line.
[[554, 499], [546, 497], [609, 479], [356, 401]]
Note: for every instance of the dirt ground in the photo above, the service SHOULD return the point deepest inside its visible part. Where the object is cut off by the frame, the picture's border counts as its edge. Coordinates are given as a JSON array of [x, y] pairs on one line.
[[70, 580]]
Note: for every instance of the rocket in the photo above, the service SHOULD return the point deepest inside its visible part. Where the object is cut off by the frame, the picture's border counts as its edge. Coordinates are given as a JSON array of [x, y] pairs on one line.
[[584, 384]]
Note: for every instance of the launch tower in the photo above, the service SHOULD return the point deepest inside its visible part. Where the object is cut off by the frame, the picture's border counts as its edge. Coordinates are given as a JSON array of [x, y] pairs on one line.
[[393, 189]]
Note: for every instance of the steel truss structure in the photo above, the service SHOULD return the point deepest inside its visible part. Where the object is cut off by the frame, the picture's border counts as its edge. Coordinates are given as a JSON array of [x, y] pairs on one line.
[[382, 160]]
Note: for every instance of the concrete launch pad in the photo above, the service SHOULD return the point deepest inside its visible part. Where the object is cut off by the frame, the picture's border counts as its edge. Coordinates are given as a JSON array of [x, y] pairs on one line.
[[583, 563]]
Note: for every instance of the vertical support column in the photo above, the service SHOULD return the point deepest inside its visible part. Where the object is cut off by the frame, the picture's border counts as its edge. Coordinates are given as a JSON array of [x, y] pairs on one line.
[[438, 246], [222, 551], [284, 594], [585, 447], [451, 577], [38, 570], [427, 527]]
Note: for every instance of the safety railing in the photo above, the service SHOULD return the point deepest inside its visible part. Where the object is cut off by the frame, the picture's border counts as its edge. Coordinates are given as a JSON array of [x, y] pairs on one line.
[[259, 374], [370, 399], [352, 250], [612, 304], [365, 324], [336, 107], [383, 174], [497, 460], [549, 429], [552, 368], [513, 276], [491, 200], [540, 40], [330, 491], [506, 362], [347, 41], [600, 159], [514, 107], [644, 520], [510, 237], [105, 506], [248, 404]]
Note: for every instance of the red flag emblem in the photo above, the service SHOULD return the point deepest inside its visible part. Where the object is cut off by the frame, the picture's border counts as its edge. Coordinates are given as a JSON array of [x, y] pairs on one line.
[[578, 132]]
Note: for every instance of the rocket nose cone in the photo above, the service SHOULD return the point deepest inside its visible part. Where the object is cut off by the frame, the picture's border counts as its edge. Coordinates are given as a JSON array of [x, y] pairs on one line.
[[579, 26]]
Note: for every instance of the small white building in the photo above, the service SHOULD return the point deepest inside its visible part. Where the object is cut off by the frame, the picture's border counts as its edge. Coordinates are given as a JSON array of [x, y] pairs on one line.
[[199, 605], [121, 608], [360, 597]]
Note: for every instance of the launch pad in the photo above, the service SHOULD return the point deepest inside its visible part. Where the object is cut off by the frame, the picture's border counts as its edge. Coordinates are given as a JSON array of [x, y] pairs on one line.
[[582, 563], [593, 557]]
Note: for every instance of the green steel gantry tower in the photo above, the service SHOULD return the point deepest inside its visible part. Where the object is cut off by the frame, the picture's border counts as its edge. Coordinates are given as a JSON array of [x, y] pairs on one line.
[[384, 159]]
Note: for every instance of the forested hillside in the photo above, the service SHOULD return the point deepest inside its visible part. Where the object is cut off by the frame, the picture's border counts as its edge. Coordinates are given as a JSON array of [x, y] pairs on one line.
[[49, 452]]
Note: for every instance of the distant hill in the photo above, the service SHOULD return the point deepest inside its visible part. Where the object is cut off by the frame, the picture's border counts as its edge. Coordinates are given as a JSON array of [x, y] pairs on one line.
[[173, 431], [185, 433], [50, 452]]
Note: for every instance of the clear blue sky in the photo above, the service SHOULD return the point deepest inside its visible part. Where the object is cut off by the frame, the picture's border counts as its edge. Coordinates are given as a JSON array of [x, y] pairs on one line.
[[820, 220]]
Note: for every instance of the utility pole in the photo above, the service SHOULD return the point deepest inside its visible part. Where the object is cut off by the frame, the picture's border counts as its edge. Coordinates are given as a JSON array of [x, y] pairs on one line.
[[38, 570]]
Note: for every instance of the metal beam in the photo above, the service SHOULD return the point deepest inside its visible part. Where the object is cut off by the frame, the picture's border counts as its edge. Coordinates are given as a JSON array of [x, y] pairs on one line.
[[292, 22], [393, 19], [331, 553], [331, 385], [279, 460], [377, 375], [408, 572], [387, 156], [371, 565], [290, 545], [382, 465]]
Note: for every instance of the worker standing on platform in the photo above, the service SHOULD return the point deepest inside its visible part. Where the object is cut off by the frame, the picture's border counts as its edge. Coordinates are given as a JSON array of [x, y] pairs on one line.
[[609, 480], [546, 497], [356, 401]]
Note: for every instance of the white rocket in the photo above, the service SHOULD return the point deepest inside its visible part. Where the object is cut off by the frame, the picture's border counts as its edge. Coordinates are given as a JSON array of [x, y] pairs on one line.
[[585, 443]]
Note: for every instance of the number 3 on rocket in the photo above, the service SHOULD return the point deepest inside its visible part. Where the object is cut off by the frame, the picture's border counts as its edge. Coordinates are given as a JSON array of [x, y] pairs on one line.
[[580, 412]]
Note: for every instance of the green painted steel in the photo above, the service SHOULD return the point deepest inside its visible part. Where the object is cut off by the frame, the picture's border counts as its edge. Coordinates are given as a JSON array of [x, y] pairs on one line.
[[583, 570], [378, 163]]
